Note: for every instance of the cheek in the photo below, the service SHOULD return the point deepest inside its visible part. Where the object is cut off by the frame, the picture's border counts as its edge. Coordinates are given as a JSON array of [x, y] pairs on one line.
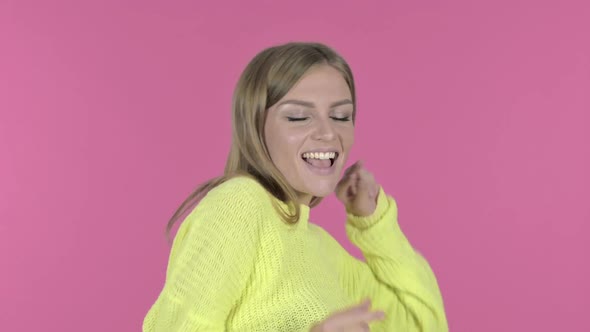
[[347, 137], [293, 139], [291, 143], [283, 144], [272, 138]]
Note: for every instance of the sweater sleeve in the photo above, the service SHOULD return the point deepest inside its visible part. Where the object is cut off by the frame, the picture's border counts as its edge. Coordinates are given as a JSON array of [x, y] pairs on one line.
[[398, 279], [210, 263]]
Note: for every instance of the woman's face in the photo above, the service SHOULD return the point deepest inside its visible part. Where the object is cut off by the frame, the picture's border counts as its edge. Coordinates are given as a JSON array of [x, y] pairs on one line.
[[309, 132]]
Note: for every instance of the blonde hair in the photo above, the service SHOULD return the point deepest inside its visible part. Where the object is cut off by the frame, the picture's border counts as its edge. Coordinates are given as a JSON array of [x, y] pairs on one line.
[[265, 80]]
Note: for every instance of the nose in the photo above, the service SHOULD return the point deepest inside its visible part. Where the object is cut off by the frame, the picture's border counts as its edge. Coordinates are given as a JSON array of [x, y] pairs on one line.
[[324, 130]]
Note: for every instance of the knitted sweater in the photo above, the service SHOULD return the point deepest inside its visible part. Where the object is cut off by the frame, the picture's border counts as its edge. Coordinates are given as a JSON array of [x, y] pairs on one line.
[[236, 266]]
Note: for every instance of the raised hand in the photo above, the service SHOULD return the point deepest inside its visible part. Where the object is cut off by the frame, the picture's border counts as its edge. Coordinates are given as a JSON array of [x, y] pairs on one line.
[[358, 191]]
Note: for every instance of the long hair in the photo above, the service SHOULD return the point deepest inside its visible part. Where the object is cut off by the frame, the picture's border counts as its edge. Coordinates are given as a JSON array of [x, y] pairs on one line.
[[265, 80]]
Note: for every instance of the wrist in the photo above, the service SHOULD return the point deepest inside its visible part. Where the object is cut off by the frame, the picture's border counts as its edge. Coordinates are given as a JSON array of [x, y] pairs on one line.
[[363, 222]]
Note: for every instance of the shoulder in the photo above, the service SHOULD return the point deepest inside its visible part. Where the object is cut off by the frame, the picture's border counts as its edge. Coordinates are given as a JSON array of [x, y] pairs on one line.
[[237, 201], [242, 183], [239, 189], [230, 213], [227, 221], [238, 185]]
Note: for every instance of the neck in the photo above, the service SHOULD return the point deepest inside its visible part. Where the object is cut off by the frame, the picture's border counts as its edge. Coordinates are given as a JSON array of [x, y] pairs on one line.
[[304, 199]]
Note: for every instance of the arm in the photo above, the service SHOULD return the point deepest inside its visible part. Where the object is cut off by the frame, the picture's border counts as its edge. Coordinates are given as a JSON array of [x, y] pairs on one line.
[[210, 262], [397, 279]]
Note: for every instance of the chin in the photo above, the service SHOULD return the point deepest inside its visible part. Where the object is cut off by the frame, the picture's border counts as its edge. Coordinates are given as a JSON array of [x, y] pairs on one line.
[[320, 191], [320, 194]]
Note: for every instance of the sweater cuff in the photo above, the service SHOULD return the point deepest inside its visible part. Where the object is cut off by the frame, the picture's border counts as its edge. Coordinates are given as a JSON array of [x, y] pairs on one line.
[[383, 205]]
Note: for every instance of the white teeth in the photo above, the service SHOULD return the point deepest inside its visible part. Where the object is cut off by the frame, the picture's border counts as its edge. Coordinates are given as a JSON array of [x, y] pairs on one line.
[[319, 155]]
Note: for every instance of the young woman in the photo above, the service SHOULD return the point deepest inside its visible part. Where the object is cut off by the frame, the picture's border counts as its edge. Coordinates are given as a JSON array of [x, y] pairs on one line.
[[246, 258]]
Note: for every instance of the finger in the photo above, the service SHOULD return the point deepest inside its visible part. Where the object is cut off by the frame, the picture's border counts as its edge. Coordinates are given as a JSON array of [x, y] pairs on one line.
[[375, 190], [364, 327], [369, 316], [357, 317], [358, 308], [366, 304], [364, 185], [354, 167], [348, 173], [369, 184], [343, 189], [346, 187], [354, 184], [378, 315]]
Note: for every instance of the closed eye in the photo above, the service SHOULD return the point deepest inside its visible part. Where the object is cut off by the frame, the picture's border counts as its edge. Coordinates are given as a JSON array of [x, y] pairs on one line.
[[344, 119], [296, 119]]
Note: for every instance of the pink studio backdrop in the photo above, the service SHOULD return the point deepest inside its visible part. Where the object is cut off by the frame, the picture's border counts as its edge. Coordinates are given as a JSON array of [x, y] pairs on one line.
[[474, 115]]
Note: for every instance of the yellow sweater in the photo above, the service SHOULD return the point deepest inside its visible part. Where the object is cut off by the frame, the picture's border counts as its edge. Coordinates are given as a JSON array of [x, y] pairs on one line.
[[236, 266]]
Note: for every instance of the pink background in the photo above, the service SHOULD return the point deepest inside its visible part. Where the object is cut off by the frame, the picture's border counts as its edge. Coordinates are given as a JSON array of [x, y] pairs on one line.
[[475, 117]]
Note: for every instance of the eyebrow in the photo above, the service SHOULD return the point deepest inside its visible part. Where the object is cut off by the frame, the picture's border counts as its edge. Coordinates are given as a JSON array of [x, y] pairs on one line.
[[312, 105]]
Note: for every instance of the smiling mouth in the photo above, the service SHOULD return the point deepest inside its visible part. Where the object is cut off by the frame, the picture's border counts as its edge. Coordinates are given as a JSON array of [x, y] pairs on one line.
[[320, 159]]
